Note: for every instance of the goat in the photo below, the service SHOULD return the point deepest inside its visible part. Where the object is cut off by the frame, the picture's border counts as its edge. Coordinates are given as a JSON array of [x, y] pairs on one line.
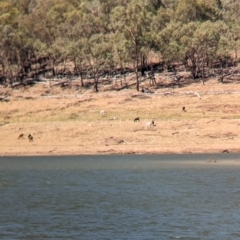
[[137, 119], [150, 124], [225, 151], [30, 138], [197, 94], [20, 136], [102, 112]]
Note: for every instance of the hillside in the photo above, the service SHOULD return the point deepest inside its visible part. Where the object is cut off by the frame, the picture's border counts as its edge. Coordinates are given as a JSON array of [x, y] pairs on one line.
[[66, 120]]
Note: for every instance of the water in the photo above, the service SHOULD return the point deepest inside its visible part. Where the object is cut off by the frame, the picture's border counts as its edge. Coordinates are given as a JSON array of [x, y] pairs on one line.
[[120, 197]]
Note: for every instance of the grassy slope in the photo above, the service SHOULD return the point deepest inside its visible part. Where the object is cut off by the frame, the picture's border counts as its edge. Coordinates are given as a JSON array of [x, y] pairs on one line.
[[69, 122]]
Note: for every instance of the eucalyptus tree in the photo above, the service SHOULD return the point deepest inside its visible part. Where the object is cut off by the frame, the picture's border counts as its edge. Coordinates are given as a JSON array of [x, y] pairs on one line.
[[120, 53], [24, 6], [8, 49], [159, 23], [169, 41], [43, 28], [231, 15], [161, 19], [195, 44], [98, 53], [133, 21], [37, 32], [86, 26], [199, 10], [207, 45], [80, 26], [106, 8], [16, 41], [171, 4], [57, 16], [96, 14], [154, 5], [78, 57]]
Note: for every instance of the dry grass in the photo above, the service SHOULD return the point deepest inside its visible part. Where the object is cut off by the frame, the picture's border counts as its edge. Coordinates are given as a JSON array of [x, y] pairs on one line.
[[68, 121]]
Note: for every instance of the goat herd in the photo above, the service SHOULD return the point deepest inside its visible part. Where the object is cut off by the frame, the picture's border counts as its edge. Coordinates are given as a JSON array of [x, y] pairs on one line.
[[149, 124], [30, 137]]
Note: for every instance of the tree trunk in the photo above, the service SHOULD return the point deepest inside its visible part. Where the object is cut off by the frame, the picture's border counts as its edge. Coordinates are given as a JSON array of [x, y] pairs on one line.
[[203, 60], [136, 68], [96, 85], [78, 69], [53, 68], [143, 64], [137, 79], [81, 78], [3, 74], [96, 82]]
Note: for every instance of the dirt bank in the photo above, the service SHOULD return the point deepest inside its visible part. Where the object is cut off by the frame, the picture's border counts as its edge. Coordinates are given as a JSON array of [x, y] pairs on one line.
[[67, 121]]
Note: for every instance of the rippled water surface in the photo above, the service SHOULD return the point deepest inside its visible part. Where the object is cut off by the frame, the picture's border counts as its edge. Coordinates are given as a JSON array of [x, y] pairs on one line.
[[120, 197]]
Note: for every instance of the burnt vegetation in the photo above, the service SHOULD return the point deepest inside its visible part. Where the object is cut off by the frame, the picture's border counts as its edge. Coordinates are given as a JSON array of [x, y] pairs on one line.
[[107, 42]]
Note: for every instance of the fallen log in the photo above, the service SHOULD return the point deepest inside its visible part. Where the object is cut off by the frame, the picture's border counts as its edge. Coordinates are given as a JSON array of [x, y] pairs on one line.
[[4, 99], [220, 79], [62, 84]]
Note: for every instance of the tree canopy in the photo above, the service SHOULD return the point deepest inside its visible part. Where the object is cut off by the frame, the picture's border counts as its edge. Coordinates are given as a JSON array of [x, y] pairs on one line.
[[103, 35]]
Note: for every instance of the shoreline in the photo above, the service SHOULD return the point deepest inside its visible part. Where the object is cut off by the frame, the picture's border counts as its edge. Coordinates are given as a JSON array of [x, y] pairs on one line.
[[207, 159], [106, 153]]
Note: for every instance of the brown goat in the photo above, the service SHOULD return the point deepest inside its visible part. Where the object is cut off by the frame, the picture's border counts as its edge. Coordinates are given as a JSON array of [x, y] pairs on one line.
[[21, 136], [30, 138]]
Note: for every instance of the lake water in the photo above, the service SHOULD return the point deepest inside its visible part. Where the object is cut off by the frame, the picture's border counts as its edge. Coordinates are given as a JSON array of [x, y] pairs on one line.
[[120, 197]]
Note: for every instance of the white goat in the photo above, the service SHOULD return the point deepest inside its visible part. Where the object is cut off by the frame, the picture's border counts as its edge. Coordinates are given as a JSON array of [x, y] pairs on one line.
[[102, 112], [198, 95], [150, 124]]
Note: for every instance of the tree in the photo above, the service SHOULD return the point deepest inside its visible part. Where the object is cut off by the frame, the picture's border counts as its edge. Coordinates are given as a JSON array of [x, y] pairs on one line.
[[231, 16], [99, 35], [199, 10], [120, 53], [97, 52], [168, 41], [8, 28], [195, 44], [154, 5], [206, 46], [78, 57], [133, 21]]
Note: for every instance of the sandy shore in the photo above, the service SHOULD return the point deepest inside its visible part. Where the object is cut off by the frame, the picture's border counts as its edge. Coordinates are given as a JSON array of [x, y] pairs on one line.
[[67, 121]]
